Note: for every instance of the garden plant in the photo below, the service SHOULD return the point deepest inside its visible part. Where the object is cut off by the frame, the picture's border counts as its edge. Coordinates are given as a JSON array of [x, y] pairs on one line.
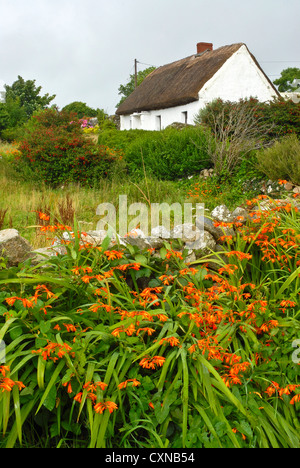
[[112, 347]]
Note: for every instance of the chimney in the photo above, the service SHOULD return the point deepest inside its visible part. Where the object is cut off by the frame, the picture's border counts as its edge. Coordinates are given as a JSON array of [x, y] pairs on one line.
[[203, 46]]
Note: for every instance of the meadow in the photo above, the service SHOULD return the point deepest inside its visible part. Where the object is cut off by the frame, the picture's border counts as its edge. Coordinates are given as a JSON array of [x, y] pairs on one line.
[[111, 347]]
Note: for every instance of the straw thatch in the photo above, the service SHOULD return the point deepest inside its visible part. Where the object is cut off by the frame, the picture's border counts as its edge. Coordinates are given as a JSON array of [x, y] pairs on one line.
[[178, 83]]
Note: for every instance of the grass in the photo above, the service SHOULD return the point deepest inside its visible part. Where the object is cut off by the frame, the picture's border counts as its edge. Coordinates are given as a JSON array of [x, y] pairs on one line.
[[20, 199]]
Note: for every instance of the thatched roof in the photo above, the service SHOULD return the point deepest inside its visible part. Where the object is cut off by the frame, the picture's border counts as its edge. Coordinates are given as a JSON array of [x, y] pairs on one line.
[[178, 83]]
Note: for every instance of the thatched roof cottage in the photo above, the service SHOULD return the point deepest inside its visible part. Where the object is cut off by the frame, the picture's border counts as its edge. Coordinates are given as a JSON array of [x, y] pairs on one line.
[[177, 91]]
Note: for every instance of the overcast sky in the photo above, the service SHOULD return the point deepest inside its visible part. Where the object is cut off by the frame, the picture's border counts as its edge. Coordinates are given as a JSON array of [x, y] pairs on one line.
[[82, 50]]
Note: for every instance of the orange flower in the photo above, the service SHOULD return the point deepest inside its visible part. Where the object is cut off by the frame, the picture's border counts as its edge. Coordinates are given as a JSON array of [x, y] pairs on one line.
[[101, 407], [171, 340], [151, 363], [113, 254], [135, 383], [70, 327], [43, 216], [295, 398], [239, 255], [149, 331], [8, 384]]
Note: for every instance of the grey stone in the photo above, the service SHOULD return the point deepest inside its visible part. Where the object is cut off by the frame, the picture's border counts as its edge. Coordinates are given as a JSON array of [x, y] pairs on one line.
[[222, 213], [160, 232], [13, 247], [288, 186], [203, 245], [240, 213], [187, 232]]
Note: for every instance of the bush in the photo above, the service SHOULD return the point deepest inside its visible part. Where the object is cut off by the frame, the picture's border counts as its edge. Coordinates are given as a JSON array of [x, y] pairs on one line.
[[282, 117], [282, 160], [56, 151], [166, 155]]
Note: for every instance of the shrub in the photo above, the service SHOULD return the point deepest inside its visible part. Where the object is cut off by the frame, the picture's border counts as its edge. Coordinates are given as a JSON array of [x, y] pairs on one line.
[[56, 151], [237, 129], [282, 160], [280, 116], [170, 154]]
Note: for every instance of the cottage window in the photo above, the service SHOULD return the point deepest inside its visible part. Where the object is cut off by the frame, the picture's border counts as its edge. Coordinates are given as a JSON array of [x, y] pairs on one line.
[[158, 122], [184, 117]]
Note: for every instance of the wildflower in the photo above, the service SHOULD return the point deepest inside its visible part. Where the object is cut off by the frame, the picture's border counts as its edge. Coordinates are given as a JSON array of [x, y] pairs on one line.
[[295, 398], [70, 327], [151, 363], [78, 397], [101, 407], [135, 383], [7, 383], [43, 216], [166, 279], [113, 254], [239, 255], [149, 330], [68, 384], [172, 340], [228, 269]]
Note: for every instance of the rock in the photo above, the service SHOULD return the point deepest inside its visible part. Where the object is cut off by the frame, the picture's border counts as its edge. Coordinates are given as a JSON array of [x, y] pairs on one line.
[[160, 232], [186, 232], [138, 238], [288, 186], [296, 189], [206, 224], [95, 237], [240, 215], [221, 213], [13, 247], [203, 245]]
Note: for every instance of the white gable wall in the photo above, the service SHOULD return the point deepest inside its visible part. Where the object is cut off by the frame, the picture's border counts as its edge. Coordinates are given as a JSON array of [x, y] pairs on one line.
[[238, 78]]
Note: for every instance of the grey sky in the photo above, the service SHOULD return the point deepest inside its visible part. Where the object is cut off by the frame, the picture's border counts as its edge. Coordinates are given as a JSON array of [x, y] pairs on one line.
[[83, 50]]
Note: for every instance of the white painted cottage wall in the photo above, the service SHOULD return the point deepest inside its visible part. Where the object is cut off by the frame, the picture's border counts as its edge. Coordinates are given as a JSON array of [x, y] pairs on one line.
[[238, 78]]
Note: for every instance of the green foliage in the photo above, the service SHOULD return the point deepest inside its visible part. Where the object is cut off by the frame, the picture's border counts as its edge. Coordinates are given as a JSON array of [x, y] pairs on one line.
[[113, 347], [282, 160], [286, 79], [81, 109], [128, 88], [28, 95], [167, 155], [4, 117], [56, 151], [282, 117]]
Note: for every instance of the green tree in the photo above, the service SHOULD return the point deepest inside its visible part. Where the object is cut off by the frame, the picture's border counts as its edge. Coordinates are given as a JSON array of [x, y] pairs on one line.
[[4, 117], [81, 109], [27, 94], [286, 79], [126, 90]]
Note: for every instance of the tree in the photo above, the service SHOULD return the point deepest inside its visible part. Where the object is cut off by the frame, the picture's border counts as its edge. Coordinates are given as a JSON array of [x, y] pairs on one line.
[[28, 96], [285, 82], [4, 117], [81, 109], [126, 90]]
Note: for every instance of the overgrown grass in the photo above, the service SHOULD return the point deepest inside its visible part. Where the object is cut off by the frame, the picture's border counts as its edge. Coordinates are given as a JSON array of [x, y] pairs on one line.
[[23, 198]]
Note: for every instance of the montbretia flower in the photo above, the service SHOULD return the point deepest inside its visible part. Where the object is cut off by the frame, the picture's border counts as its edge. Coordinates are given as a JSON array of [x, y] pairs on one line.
[[151, 363], [102, 406]]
